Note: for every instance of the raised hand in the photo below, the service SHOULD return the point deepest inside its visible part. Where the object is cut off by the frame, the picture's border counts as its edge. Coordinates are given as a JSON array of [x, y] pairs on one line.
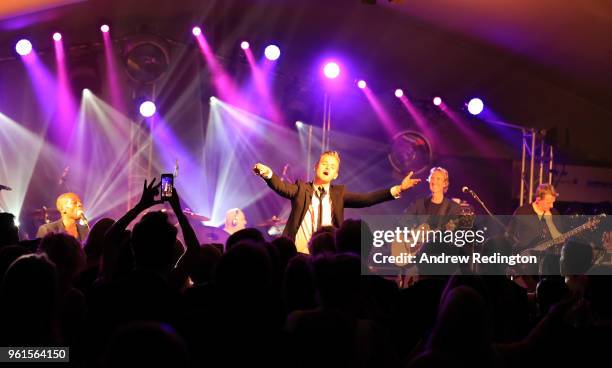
[[409, 182], [262, 170], [149, 192], [174, 201]]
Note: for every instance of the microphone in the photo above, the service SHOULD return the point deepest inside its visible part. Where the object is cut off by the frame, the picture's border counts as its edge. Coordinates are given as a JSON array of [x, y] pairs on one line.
[[256, 170], [84, 220], [466, 190], [285, 169], [4, 187]]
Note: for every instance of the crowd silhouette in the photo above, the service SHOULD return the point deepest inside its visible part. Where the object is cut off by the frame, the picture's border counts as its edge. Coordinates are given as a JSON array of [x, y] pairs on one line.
[[146, 298]]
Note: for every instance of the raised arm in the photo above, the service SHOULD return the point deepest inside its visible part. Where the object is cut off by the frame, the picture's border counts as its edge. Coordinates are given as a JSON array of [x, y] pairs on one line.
[[287, 190], [113, 237], [190, 257], [358, 200]]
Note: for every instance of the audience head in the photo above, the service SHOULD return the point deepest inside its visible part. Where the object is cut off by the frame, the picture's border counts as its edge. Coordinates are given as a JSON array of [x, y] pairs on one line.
[[244, 271], [154, 242], [95, 240], [286, 249], [461, 326], [9, 233], [202, 269], [244, 234], [549, 292], [338, 280], [322, 243], [29, 307], [600, 291], [66, 253], [550, 265], [348, 237], [8, 255], [576, 258], [298, 284]]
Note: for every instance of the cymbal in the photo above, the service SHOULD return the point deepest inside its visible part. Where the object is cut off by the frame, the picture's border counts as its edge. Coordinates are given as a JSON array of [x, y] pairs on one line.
[[40, 212], [210, 234], [195, 216], [273, 221]]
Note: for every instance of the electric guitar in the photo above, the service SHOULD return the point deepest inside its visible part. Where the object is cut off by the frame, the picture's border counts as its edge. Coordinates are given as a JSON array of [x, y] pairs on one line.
[[591, 224]]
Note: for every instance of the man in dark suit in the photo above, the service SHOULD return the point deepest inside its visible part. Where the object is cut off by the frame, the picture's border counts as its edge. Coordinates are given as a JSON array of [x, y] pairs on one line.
[[436, 211], [538, 221], [72, 221], [318, 204]]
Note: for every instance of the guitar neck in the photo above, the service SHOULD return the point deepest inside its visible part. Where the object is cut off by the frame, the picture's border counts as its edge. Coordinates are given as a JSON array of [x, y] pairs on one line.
[[563, 237]]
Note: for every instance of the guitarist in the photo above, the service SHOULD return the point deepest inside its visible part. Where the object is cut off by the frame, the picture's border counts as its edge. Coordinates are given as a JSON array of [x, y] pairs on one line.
[[536, 222], [435, 211]]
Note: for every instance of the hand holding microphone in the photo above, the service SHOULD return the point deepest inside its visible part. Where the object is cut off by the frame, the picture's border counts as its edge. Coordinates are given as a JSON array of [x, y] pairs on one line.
[[81, 215]]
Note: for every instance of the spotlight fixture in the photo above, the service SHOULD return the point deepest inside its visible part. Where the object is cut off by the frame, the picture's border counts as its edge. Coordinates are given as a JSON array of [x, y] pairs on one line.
[[361, 84], [104, 28], [147, 109], [475, 106], [399, 93], [272, 52], [331, 70], [23, 47]]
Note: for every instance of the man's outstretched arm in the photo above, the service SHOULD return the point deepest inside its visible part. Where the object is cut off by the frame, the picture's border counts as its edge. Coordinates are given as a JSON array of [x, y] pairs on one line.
[[287, 190], [358, 200]]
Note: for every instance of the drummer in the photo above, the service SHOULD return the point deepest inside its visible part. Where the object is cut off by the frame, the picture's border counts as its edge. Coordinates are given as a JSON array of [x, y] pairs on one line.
[[234, 220]]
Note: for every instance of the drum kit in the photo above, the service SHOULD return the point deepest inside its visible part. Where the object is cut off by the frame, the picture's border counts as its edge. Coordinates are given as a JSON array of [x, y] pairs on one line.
[[206, 234]]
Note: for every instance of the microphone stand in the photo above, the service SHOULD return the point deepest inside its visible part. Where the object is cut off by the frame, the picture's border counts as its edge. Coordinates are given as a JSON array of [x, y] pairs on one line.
[[503, 226]]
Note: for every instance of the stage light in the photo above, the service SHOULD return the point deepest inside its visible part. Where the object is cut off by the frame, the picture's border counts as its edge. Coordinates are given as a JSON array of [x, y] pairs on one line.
[[147, 109], [272, 52], [299, 124], [437, 101], [361, 84], [23, 47], [213, 100], [244, 45], [86, 92], [196, 31], [104, 28], [475, 106], [399, 93], [57, 37], [331, 70]]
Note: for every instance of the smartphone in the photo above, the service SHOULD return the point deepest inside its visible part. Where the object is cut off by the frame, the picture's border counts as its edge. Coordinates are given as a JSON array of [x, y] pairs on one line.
[[167, 186]]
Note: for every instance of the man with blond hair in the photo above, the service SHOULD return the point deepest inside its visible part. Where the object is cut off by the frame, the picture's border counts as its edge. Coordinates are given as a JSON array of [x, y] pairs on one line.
[[72, 221], [436, 210], [319, 203]]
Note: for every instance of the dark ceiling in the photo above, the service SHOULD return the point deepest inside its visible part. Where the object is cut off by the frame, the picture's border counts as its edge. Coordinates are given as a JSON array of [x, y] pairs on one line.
[[542, 63]]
